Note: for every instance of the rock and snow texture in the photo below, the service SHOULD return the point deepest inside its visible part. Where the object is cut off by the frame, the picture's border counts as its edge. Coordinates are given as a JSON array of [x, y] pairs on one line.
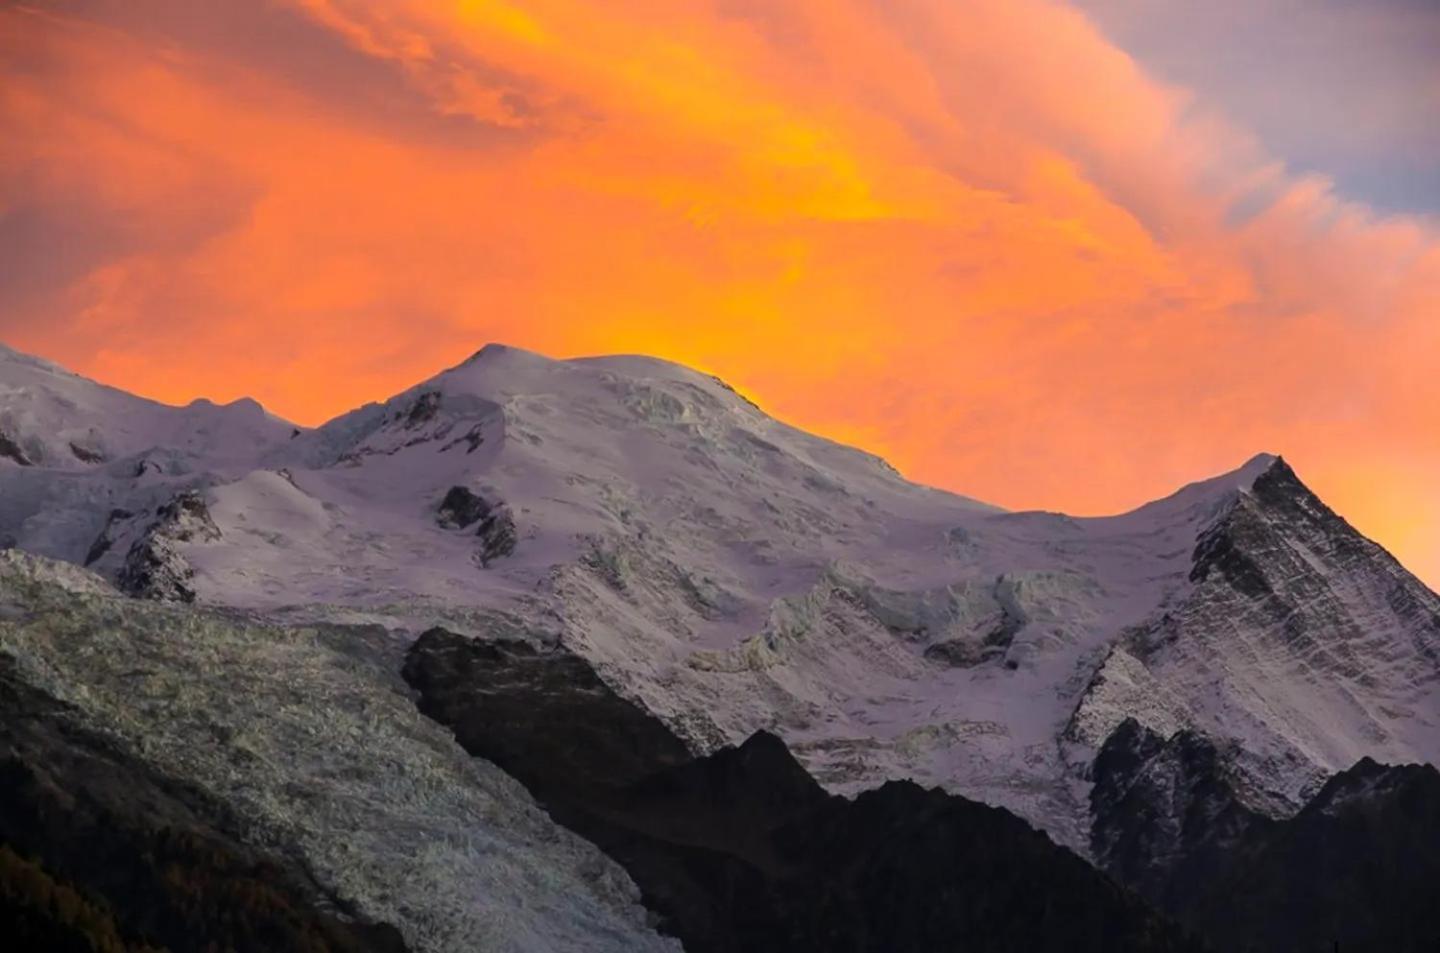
[[731, 573], [1296, 636], [306, 739], [1354, 869]]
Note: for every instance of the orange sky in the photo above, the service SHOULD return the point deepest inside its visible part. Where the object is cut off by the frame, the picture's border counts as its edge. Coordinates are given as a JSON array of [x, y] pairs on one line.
[[975, 237]]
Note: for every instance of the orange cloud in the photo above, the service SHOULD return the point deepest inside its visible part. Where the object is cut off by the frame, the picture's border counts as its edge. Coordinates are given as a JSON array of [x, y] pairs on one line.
[[974, 237]]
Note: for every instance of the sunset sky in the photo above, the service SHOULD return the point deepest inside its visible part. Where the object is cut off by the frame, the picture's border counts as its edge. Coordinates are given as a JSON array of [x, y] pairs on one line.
[[1060, 256]]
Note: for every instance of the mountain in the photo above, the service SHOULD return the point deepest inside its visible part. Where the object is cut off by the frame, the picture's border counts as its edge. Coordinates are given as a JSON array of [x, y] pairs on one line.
[[727, 574], [732, 574]]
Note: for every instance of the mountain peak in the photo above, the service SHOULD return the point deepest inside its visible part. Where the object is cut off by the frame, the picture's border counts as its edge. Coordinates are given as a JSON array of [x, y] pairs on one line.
[[497, 351], [1214, 491], [1260, 463]]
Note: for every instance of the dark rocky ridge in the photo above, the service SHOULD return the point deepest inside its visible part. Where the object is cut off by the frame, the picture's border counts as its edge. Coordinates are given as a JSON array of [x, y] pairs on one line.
[[105, 539], [1252, 549], [10, 449], [154, 567], [1357, 867], [743, 851], [141, 856], [87, 454], [494, 524], [1167, 815]]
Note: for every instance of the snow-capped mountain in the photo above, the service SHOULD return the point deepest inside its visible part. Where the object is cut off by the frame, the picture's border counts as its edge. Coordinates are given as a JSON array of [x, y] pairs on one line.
[[730, 573]]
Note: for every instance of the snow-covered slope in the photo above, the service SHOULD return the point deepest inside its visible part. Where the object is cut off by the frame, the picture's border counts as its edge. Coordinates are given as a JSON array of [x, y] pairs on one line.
[[72, 449], [733, 573]]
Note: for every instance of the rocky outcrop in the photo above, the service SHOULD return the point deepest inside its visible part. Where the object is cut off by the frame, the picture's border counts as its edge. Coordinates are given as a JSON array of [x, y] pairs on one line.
[[462, 508], [563, 724], [742, 850], [106, 537], [154, 567], [494, 523], [1355, 867], [422, 411], [1166, 812], [91, 454], [11, 450]]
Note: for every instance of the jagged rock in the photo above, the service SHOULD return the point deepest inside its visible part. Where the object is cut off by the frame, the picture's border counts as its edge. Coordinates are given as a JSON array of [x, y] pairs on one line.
[[10, 449], [87, 454], [742, 850], [154, 567], [426, 406], [461, 508], [562, 719], [105, 539], [1355, 867], [1166, 812], [472, 439], [186, 518], [497, 535]]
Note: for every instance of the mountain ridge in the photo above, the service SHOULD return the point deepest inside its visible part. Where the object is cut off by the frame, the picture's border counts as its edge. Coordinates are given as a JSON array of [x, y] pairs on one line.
[[730, 573]]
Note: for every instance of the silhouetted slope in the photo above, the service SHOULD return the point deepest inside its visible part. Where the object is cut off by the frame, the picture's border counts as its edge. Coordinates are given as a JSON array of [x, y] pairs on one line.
[[128, 854], [743, 851], [37, 912], [1359, 865]]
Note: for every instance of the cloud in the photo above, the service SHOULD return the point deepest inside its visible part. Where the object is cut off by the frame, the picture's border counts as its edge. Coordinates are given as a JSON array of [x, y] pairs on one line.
[[1348, 89], [977, 237]]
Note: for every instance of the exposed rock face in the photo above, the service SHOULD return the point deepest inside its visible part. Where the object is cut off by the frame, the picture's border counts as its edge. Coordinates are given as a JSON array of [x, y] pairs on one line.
[[87, 454], [154, 567], [462, 508], [1166, 812], [1293, 626], [564, 725], [106, 538], [11, 450], [423, 411], [742, 851], [1357, 866], [497, 535], [427, 419]]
